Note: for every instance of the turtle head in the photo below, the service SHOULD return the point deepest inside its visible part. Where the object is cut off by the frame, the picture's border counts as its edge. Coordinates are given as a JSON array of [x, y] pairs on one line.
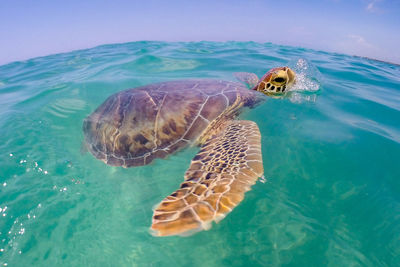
[[276, 81]]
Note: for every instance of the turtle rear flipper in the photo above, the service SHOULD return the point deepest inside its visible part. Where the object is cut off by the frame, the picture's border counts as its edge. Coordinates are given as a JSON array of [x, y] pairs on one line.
[[248, 78], [219, 175]]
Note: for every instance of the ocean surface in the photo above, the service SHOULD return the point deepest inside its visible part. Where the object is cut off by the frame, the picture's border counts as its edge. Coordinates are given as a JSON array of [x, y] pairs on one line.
[[331, 151]]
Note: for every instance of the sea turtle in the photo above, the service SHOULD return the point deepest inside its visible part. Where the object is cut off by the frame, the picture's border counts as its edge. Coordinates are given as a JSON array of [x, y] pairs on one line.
[[135, 126]]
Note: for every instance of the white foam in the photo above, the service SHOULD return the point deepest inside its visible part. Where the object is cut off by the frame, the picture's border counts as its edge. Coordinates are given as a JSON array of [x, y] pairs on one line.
[[307, 85]]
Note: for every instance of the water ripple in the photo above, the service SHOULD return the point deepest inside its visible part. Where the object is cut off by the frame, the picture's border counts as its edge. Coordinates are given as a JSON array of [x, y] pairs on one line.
[[332, 195]]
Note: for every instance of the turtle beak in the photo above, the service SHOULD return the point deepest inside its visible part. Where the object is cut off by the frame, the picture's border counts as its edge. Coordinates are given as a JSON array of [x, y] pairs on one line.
[[291, 76]]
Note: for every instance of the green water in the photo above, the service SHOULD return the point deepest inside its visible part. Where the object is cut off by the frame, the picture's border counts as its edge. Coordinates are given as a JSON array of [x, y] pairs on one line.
[[331, 160]]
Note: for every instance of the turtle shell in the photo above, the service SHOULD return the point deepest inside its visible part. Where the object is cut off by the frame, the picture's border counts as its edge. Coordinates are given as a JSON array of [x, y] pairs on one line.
[[135, 126]]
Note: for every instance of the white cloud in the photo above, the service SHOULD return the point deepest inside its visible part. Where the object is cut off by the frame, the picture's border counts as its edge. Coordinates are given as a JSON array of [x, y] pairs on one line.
[[359, 40], [372, 6], [355, 44]]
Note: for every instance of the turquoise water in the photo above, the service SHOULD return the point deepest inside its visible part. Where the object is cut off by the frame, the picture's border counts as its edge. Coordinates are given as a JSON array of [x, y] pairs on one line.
[[331, 159]]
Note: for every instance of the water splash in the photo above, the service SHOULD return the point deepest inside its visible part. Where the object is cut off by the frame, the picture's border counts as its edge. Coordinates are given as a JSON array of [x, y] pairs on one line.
[[308, 81]]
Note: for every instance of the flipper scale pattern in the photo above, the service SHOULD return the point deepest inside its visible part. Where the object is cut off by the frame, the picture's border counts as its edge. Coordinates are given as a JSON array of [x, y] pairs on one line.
[[227, 165]]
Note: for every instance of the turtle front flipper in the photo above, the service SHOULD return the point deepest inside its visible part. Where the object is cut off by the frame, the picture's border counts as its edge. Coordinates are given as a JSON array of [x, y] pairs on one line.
[[248, 78], [218, 176]]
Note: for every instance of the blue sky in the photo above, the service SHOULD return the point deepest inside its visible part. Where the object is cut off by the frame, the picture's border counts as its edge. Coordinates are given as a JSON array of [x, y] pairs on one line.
[[358, 27]]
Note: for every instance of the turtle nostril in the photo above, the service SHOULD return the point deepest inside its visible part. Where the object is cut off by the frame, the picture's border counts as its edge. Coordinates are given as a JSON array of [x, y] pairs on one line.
[[279, 80]]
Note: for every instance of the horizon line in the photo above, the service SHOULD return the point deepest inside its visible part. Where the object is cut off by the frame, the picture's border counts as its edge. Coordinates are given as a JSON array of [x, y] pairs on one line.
[[227, 41]]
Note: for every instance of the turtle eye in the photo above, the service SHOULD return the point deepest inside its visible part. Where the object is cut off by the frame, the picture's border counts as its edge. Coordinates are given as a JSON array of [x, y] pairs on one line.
[[279, 80]]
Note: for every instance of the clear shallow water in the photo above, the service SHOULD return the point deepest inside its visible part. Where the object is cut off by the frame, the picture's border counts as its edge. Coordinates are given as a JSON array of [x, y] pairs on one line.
[[332, 196]]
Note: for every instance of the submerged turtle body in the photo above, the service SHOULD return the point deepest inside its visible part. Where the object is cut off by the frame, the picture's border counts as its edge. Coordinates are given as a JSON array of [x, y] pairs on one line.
[[135, 126]]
